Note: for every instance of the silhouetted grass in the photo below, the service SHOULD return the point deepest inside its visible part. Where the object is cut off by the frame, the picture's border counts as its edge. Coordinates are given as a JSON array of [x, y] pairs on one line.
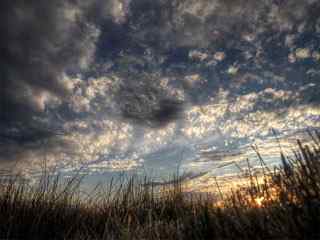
[[284, 203]]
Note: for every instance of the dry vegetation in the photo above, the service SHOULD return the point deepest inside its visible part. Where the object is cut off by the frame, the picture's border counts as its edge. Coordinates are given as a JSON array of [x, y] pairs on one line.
[[285, 206]]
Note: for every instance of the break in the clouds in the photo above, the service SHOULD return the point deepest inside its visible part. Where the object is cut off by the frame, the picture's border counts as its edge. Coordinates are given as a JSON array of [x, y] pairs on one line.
[[87, 82]]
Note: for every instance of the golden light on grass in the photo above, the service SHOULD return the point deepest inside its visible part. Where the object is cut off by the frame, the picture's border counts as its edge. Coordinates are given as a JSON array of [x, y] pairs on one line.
[[259, 201]]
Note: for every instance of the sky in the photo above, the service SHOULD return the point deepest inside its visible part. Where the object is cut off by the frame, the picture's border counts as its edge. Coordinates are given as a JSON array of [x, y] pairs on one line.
[[106, 86]]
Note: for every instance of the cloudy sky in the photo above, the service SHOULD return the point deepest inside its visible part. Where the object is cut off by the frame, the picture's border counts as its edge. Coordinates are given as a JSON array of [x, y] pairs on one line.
[[120, 85]]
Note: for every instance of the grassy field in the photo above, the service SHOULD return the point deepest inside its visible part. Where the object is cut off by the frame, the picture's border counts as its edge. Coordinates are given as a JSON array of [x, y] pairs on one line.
[[284, 205]]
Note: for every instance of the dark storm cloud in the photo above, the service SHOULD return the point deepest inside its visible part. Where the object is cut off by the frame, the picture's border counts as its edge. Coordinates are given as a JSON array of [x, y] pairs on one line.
[[40, 42], [146, 104]]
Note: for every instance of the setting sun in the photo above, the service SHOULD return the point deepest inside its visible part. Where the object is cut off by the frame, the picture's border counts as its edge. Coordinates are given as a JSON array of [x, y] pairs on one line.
[[259, 201]]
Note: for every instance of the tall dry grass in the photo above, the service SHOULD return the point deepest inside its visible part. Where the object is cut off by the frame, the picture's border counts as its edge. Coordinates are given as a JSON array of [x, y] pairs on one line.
[[285, 205]]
